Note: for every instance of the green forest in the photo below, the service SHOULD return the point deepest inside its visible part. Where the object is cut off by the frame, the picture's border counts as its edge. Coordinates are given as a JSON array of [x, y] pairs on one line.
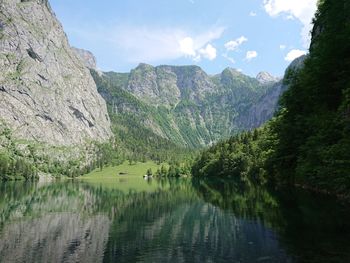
[[307, 143]]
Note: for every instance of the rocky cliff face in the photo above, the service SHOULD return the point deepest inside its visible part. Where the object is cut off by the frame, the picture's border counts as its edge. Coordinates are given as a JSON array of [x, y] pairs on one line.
[[263, 109], [46, 92], [167, 85], [266, 106]]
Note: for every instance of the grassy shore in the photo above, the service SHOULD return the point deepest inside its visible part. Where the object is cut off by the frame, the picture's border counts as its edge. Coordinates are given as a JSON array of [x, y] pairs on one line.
[[139, 169], [124, 177]]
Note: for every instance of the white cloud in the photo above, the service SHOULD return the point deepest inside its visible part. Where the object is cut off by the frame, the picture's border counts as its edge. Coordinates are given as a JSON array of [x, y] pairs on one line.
[[229, 58], [152, 45], [303, 10], [187, 47], [293, 54], [197, 58], [283, 47], [251, 54], [252, 13], [209, 52], [198, 46], [234, 44]]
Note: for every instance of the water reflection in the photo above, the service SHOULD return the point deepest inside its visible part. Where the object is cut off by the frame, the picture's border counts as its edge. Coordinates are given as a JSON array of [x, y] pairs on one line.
[[168, 221], [310, 227]]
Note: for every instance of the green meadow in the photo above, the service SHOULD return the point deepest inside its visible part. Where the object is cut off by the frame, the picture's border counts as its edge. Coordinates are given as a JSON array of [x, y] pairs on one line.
[[124, 177]]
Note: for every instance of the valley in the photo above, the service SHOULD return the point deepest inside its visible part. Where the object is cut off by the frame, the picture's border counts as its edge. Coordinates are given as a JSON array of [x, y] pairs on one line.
[[167, 161]]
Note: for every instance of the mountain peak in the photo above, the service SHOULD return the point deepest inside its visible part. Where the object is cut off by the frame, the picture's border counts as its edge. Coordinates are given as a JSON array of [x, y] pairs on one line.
[[232, 70], [144, 66], [265, 77], [297, 63]]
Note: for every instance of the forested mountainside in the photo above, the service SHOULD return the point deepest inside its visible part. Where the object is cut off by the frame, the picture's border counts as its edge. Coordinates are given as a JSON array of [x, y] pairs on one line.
[[48, 98], [185, 105], [131, 124], [308, 142]]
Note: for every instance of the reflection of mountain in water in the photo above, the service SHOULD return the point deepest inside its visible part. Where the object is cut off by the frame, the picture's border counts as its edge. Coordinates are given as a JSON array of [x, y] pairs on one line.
[[56, 238], [178, 221], [50, 224]]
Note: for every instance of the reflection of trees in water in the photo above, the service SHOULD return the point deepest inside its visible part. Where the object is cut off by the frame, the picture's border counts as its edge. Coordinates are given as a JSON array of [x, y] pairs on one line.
[[318, 227], [172, 225], [246, 201], [182, 220], [312, 228], [177, 226]]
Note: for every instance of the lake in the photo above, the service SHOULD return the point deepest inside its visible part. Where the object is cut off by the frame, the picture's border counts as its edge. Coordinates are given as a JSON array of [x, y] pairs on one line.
[[178, 220]]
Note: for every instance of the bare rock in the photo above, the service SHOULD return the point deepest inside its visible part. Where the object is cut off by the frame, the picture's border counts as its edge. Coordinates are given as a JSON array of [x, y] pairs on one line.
[[46, 92]]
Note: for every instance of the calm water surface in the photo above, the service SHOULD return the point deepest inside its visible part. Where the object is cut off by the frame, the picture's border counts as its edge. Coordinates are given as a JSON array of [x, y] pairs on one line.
[[168, 221]]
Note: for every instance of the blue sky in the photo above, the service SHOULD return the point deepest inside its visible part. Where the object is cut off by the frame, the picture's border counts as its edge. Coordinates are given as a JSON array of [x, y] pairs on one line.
[[249, 35]]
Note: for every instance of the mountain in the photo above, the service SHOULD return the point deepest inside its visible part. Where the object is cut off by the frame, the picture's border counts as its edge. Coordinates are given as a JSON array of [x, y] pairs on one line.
[[47, 93], [183, 104]]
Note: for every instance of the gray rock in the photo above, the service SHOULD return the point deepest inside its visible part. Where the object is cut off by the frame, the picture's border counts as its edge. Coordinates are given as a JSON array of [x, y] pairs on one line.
[[267, 105], [46, 92], [266, 78], [263, 110], [87, 57], [167, 85], [297, 63]]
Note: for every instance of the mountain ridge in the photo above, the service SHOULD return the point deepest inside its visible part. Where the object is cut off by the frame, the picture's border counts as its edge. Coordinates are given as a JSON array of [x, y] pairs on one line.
[[184, 104]]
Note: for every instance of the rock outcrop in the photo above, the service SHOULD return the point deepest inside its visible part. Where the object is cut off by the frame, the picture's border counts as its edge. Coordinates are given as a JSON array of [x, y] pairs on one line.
[[87, 57], [46, 92], [265, 78], [167, 85]]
